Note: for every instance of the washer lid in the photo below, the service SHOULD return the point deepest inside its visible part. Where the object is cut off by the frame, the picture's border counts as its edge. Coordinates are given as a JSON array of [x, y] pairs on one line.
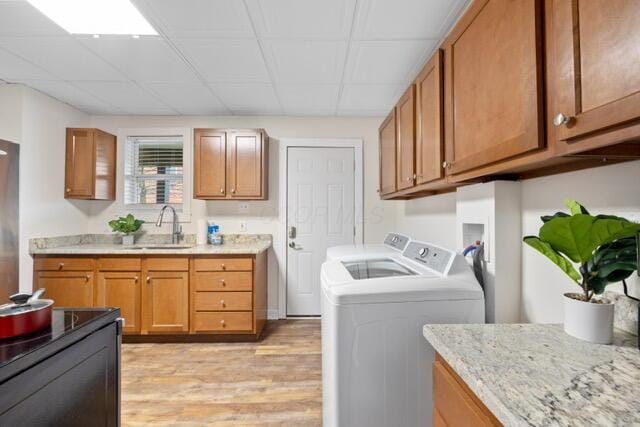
[[376, 268]]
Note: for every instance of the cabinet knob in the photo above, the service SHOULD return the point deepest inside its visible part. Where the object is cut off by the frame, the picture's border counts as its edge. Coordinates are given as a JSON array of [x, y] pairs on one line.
[[87, 278], [222, 323], [560, 119], [61, 266], [409, 179], [446, 165], [222, 282], [222, 266], [222, 191], [68, 190], [233, 190], [148, 279], [222, 303], [135, 279]]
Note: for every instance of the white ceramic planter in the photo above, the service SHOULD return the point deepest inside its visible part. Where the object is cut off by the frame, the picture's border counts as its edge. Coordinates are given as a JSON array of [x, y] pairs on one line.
[[127, 239], [588, 321]]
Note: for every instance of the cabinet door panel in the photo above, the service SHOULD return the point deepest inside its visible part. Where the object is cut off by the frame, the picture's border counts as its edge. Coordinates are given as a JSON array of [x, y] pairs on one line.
[[590, 37], [166, 302], [210, 159], [115, 289], [67, 289], [79, 171], [406, 116], [493, 86], [387, 140], [429, 139], [244, 158]]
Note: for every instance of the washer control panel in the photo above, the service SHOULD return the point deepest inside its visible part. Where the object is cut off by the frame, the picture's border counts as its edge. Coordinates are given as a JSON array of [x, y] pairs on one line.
[[396, 241], [435, 258]]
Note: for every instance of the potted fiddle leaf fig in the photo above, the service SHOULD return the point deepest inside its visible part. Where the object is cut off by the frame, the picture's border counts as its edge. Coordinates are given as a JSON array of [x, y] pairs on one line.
[[604, 248], [127, 225]]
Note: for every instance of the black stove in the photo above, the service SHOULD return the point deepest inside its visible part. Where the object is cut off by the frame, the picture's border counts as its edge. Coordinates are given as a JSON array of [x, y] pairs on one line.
[[64, 321]]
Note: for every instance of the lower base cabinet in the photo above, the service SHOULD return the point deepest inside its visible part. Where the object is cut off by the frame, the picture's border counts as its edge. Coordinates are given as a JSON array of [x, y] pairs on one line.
[[165, 298], [454, 404]]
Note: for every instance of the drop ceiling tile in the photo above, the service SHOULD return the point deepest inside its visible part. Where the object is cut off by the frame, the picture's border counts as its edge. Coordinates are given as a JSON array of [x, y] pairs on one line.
[[150, 111], [315, 112], [405, 19], [248, 97], [19, 18], [308, 98], [369, 97], [64, 57], [362, 113], [226, 60], [100, 111], [123, 95], [147, 59], [305, 61], [187, 97], [386, 62], [328, 19], [68, 93], [199, 18], [13, 68]]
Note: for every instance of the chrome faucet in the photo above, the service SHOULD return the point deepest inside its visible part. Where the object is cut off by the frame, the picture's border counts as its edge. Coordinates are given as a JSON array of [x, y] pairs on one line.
[[177, 229]]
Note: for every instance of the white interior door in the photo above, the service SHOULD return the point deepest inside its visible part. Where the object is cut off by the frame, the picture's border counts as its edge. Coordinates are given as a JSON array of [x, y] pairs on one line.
[[320, 214]]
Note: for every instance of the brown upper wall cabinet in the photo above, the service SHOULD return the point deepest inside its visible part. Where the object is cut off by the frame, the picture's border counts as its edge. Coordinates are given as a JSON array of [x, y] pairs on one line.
[[493, 84], [90, 165], [429, 130], [231, 164], [387, 139], [406, 117], [596, 78]]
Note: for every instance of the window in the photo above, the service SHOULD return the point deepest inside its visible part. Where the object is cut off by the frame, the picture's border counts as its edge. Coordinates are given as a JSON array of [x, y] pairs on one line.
[[154, 171]]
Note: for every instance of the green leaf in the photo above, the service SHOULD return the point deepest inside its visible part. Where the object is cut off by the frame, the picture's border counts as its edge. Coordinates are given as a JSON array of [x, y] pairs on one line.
[[547, 218], [575, 207], [579, 235], [555, 257]]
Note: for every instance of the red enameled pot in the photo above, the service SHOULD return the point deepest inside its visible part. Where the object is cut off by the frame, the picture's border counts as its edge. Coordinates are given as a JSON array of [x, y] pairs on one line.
[[26, 314]]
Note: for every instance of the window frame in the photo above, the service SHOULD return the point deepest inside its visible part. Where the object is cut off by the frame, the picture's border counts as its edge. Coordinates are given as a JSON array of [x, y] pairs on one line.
[[149, 212]]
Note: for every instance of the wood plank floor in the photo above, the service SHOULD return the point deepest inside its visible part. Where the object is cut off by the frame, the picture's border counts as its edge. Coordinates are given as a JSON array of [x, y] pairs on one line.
[[274, 382]]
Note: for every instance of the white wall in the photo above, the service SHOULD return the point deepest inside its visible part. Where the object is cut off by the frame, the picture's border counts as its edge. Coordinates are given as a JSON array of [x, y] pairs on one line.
[[432, 219], [263, 215], [38, 123], [611, 189]]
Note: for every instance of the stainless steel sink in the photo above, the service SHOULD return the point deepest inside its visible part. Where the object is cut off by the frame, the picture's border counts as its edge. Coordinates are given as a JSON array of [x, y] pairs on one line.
[[159, 247]]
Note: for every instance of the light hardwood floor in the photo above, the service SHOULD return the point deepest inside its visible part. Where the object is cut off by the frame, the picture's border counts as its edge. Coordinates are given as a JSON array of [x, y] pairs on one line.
[[274, 382]]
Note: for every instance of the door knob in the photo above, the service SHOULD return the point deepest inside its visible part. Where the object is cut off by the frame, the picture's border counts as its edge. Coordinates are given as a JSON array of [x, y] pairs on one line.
[[560, 119]]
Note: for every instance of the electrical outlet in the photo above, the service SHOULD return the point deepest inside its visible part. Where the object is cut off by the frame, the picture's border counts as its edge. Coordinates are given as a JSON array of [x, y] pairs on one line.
[[243, 207], [243, 226]]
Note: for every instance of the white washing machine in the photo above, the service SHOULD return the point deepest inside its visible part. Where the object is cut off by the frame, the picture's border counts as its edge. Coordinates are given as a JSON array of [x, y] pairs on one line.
[[393, 242], [376, 364]]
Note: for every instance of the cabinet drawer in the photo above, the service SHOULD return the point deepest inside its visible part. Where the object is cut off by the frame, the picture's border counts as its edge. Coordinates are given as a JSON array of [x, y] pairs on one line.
[[223, 264], [223, 281], [224, 321], [168, 264], [223, 301], [119, 264], [64, 264]]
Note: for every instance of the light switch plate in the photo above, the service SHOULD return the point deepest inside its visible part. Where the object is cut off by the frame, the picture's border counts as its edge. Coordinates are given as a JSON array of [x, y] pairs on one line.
[[243, 207]]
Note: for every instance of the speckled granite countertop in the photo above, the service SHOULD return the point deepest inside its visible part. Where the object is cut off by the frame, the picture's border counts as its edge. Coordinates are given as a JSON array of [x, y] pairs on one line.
[[532, 374], [100, 244]]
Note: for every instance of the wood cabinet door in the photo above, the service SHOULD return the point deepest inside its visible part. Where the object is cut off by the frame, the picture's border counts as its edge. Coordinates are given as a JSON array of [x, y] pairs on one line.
[[429, 141], [210, 164], [165, 302], [387, 151], [493, 84], [67, 288], [245, 151], [597, 65], [122, 290], [406, 117], [80, 163], [105, 166]]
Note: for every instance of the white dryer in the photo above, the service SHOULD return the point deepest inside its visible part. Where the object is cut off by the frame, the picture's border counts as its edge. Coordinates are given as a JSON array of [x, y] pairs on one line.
[[376, 364], [393, 243]]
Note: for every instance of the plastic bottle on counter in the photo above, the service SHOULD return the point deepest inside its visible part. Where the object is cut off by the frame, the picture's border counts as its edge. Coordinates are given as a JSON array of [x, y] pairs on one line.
[[210, 232], [217, 237]]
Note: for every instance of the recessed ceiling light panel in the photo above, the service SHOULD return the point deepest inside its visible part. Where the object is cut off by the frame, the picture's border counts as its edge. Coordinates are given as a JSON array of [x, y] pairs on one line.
[[95, 16]]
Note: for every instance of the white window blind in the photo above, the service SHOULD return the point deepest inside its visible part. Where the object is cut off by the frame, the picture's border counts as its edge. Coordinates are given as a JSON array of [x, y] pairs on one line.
[[154, 170]]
